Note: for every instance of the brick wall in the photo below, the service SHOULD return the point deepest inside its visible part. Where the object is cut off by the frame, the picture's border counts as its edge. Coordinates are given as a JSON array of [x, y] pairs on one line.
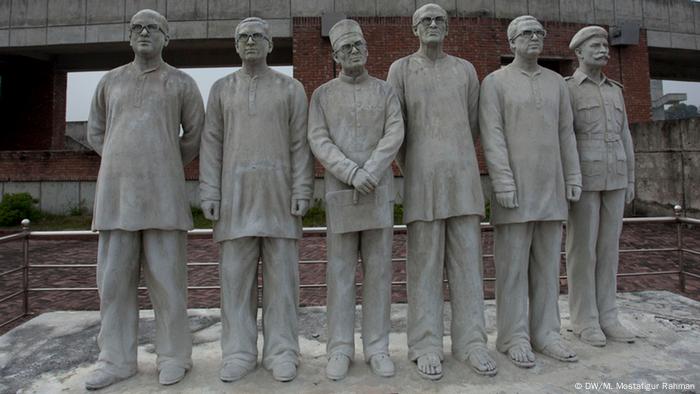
[[31, 166], [482, 41]]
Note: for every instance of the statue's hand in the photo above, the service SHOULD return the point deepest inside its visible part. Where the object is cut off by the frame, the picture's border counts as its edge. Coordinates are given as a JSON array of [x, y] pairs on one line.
[[210, 209], [507, 199], [299, 206], [573, 192], [629, 193], [364, 182]]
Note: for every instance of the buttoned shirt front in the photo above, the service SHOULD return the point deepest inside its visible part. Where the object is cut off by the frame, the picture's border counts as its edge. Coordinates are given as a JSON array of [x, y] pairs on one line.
[[255, 157], [603, 137], [440, 102], [134, 124], [528, 139], [355, 123]]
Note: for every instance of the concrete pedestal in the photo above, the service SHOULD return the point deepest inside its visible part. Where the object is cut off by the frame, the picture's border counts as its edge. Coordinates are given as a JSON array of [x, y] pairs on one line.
[[55, 351]]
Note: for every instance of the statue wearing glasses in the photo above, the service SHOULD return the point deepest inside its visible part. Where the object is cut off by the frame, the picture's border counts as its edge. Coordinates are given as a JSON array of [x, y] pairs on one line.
[[443, 201], [256, 180], [141, 206], [355, 130], [528, 139], [607, 164]]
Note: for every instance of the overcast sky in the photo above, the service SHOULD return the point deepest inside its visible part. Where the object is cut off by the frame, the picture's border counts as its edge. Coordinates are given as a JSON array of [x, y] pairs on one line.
[[82, 85]]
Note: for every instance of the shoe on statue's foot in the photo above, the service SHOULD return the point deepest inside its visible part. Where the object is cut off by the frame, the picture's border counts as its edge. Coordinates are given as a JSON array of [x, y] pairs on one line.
[[337, 367], [429, 366], [100, 379], [593, 336], [382, 365], [559, 351], [618, 333], [284, 371], [232, 371], [171, 374]]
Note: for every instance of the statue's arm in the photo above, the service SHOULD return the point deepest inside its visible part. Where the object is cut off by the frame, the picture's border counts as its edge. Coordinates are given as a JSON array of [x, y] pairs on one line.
[[323, 146]]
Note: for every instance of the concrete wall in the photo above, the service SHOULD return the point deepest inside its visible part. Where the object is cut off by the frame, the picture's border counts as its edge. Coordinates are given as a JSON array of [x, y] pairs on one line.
[[667, 166], [672, 23]]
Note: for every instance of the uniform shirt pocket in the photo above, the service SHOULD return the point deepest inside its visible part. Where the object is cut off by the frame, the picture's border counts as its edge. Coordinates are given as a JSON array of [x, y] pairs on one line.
[[591, 158], [588, 114], [621, 158]]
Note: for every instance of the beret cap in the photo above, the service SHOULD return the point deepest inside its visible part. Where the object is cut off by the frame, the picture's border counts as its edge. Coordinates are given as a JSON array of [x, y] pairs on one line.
[[584, 34]]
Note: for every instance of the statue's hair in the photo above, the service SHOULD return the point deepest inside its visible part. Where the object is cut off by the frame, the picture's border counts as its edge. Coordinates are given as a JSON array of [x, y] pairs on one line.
[[255, 19], [513, 26], [160, 18], [420, 11]]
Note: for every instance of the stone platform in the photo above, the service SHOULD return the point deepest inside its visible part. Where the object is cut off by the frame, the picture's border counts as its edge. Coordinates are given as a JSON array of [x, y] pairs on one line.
[[54, 353]]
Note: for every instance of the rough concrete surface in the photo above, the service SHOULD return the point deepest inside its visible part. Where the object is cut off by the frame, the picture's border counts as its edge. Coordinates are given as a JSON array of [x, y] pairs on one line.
[[54, 353]]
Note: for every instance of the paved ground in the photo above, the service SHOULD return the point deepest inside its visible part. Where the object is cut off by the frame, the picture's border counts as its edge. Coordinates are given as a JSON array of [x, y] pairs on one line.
[[77, 251], [54, 353]]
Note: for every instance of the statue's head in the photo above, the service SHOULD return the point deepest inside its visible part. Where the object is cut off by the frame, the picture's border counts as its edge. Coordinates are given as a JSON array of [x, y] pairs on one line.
[[253, 40], [526, 36], [591, 46], [430, 23], [148, 33], [349, 45]]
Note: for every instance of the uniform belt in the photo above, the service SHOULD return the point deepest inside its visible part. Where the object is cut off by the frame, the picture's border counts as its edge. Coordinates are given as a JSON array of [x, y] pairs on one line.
[[605, 137]]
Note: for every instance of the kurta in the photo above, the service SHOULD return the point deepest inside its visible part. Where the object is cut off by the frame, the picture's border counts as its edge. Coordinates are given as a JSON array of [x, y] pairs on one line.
[[440, 102], [134, 124], [528, 140], [603, 136], [355, 123], [255, 157]]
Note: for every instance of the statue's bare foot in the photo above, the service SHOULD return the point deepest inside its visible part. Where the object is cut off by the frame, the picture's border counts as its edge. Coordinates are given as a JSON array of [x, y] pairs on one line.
[[522, 355], [559, 351], [482, 362], [430, 366]]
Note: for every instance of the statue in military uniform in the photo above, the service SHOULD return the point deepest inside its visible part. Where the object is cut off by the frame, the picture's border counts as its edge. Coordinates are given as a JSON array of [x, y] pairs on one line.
[[607, 164]]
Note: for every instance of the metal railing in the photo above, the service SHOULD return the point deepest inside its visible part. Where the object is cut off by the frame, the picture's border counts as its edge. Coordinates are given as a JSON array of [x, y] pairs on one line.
[[25, 235]]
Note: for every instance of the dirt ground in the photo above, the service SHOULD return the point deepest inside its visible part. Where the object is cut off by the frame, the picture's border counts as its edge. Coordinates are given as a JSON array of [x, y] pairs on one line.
[[312, 248]]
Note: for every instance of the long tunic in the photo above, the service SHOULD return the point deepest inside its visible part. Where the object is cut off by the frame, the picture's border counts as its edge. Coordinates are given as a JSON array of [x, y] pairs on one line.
[[134, 124], [603, 136], [528, 139], [255, 157], [355, 123], [440, 103]]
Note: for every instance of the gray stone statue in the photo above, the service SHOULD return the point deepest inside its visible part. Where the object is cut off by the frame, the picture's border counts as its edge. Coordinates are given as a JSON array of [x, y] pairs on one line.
[[593, 231], [256, 180], [141, 206], [355, 131], [443, 201], [528, 139]]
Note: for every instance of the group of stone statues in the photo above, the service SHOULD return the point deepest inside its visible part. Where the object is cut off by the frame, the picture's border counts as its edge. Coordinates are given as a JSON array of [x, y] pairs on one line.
[[556, 149]]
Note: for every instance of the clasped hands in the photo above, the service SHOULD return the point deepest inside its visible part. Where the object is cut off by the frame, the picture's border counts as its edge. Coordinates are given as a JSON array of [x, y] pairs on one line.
[[509, 199], [364, 182]]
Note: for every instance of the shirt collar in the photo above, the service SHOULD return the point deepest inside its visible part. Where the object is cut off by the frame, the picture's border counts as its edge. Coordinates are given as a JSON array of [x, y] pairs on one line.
[[353, 80], [148, 70], [534, 74], [579, 76]]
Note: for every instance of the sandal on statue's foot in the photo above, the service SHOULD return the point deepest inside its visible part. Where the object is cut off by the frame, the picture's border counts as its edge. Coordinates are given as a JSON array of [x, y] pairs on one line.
[[522, 355], [429, 366], [558, 351], [481, 362]]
